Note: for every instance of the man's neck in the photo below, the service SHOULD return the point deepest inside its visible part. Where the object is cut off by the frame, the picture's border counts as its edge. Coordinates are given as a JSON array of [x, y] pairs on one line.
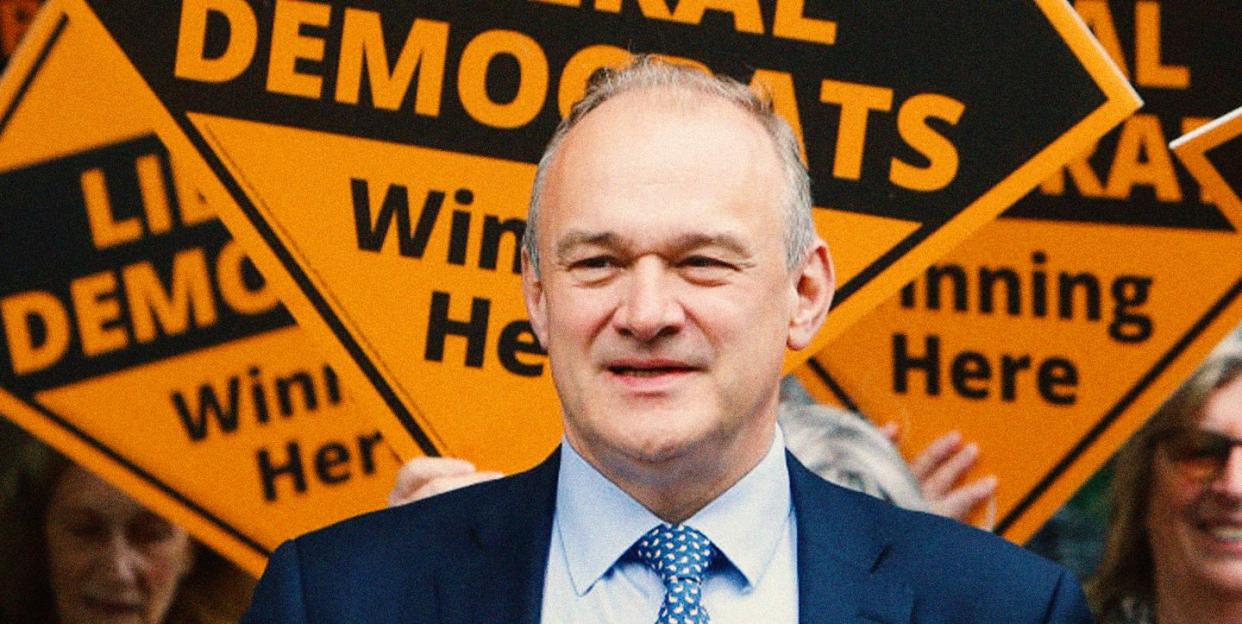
[[676, 489]]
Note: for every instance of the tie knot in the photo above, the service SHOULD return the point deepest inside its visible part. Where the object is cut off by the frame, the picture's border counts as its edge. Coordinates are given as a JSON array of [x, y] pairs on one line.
[[676, 553]]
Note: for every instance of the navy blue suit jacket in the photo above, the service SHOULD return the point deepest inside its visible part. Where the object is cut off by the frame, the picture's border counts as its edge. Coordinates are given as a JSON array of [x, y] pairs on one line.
[[478, 555]]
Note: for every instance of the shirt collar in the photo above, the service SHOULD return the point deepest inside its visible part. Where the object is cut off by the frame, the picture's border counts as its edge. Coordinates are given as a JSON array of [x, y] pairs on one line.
[[598, 522]]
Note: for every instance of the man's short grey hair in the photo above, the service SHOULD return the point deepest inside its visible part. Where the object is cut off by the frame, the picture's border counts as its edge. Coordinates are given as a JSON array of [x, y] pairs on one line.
[[649, 72]]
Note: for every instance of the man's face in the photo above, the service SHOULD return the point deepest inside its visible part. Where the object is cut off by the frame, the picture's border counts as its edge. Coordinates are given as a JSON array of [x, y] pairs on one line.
[[664, 300], [1195, 526]]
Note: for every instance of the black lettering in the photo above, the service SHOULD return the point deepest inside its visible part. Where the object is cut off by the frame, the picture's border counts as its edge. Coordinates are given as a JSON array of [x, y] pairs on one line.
[[1129, 292], [195, 421], [903, 364], [328, 459], [493, 230], [1065, 295], [284, 392], [459, 237], [439, 326], [1055, 373], [518, 337], [970, 366], [1010, 367], [291, 468], [935, 274], [987, 285], [371, 233], [332, 385], [366, 450], [907, 296], [1039, 285], [258, 395]]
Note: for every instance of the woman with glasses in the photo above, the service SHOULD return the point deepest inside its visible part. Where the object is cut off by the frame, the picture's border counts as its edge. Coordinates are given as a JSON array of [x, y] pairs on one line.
[[1174, 551]]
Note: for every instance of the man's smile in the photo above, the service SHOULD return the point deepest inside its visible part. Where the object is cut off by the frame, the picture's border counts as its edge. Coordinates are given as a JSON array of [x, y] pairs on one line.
[[650, 374]]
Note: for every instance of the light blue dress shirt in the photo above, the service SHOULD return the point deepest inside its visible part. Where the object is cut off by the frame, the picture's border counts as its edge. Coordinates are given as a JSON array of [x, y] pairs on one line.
[[592, 577]]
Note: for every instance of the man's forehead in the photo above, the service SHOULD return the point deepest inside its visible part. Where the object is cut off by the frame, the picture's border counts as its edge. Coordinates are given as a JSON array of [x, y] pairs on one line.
[[663, 109], [654, 158], [576, 238]]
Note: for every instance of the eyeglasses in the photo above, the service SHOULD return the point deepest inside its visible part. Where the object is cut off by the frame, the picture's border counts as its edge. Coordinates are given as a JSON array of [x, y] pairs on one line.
[[1198, 454]]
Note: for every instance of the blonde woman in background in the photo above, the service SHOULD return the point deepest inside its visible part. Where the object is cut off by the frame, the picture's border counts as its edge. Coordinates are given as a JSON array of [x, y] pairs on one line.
[[1174, 550]]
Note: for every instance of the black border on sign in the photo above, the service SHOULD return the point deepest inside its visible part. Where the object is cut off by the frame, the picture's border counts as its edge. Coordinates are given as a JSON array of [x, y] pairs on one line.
[[351, 344], [34, 70], [304, 284], [1126, 400], [386, 390], [881, 264], [69, 427], [834, 387]]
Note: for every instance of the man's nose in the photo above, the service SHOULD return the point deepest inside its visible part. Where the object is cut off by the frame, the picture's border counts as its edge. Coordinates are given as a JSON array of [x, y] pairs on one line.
[[649, 308], [1229, 482]]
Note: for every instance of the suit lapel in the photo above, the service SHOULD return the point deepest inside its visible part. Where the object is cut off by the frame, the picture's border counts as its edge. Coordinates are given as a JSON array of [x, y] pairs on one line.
[[840, 547], [502, 579]]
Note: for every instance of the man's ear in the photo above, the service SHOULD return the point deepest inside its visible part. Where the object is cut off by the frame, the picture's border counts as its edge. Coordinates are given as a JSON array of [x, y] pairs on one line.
[[536, 302], [814, 286]]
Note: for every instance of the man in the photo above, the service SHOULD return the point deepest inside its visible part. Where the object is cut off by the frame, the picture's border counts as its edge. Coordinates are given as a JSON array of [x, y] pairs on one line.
[[670, 261]]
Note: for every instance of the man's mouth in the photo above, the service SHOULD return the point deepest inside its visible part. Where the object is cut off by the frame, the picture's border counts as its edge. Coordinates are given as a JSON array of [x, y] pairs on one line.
[[649, 369], [631, 371]]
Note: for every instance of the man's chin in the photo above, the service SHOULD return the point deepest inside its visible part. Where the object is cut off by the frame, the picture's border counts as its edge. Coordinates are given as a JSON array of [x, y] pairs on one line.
[[644, 438], [658, 453], [662, 448]]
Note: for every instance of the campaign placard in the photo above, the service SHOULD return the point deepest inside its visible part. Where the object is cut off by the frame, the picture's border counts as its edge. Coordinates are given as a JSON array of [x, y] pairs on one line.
[[1051, 335], [135, 335], [376, 160]]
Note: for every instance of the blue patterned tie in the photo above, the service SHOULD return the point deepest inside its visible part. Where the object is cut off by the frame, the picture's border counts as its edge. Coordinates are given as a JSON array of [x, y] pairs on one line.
[[680, 555]]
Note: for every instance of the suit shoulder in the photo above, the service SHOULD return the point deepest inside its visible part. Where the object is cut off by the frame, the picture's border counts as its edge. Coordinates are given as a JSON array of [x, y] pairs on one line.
[[917, 534], [973, 570], [952, 569], [385, 565], [413, 531]]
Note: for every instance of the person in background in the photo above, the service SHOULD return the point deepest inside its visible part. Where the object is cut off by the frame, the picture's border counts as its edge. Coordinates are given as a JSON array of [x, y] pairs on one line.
[[76, 550], [1174, 549]]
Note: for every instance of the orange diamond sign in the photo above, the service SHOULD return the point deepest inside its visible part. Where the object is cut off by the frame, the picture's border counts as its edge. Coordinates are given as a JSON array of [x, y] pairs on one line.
[[1053, 333], [376, 163]]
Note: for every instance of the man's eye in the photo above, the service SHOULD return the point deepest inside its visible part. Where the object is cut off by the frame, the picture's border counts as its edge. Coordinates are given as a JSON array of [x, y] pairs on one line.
[[702, 261], [594, 267], [598, 262], [706, 267]]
